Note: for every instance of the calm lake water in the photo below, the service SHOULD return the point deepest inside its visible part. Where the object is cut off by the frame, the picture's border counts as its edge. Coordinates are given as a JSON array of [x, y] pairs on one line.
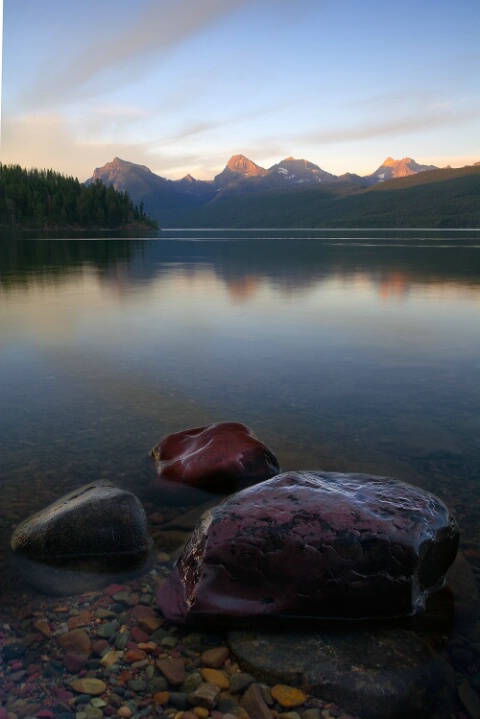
[[349, 351], [342, 350]]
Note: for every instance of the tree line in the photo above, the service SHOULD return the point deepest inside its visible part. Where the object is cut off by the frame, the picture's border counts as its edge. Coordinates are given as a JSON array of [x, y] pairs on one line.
[[45, 199]]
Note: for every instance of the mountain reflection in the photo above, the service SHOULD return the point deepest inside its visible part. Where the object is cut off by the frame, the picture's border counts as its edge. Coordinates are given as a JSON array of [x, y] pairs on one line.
[[288, 267]]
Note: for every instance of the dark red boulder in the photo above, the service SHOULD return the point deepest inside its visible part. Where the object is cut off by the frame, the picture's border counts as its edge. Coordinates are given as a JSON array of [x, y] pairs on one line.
[[314, 544], [220, 457]]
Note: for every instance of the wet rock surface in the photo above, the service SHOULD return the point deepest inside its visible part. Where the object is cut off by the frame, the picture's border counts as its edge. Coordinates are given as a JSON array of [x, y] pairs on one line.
[[220, 457], [314, 544], [82, 540], [382, 673]]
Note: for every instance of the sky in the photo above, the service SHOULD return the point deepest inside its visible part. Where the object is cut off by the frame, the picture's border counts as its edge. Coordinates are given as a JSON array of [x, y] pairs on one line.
[[182, 85]]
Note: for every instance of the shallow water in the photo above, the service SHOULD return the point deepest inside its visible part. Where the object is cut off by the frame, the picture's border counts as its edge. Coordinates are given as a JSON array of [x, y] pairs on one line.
[[348, 351]]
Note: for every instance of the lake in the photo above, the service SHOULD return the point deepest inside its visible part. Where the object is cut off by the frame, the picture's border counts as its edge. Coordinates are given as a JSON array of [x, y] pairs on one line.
[[342, 350]]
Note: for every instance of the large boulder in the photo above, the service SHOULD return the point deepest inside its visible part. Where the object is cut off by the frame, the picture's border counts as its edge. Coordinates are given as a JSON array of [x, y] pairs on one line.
[[221, 457], [314, 544], [83, 539]]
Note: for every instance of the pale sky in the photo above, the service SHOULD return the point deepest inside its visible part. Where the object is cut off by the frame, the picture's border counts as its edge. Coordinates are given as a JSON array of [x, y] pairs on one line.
[[181, 85]]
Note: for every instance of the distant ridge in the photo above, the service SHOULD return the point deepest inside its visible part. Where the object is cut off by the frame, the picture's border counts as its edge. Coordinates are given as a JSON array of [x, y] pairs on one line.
[[243, 177]]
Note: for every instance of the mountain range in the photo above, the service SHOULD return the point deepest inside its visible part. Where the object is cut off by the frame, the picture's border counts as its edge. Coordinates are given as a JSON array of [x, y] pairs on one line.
[[240, 175], [291, 182]]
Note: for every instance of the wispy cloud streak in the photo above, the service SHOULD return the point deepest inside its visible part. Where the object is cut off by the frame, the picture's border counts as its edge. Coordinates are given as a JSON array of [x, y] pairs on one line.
[[408, 123], [158, 26]]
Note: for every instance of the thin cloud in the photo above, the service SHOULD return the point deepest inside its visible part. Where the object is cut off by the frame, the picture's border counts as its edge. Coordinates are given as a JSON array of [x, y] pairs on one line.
[[157, 28], [409, 123]]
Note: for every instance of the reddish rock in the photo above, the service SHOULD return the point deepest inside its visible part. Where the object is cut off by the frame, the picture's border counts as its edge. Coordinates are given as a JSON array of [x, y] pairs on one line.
[[74, 663], [114, 589], [254, 703], [314, 544], [173, 670], [76, 641], [99, 646], [83, 619], [134, 655], [138, 635], [219, 457], [140, 611]]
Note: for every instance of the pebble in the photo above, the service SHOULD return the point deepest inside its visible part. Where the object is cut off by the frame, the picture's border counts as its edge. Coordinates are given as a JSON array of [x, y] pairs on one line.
[[111, 657], [13, 651], [74, 663], [240, 681], [128, 664], [216, 657], [192, 681], [134, 655], [178, 699], [215, 676], [137, 685], [288, 697], [89, 685], [200, 712], [82, 619], [42, 626], [205, 695], [254, 703], [173, 669], [150, 624], [76, 641], [108, 629]]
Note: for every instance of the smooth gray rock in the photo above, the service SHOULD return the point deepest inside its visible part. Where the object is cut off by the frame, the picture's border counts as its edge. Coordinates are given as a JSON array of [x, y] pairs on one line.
[[83, 540]]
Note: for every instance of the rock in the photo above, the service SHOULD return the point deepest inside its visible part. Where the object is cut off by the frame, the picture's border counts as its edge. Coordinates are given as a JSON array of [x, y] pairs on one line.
[[215, 657], [83, 619], [254, 704], [314, 544], [60, 553], [77, 641], [240, 681], [469, 698], [219, 457], [173, 669], [74, 663], [111, 657], [42, 626], [14, 650], [215, 676], [205, 695], [89, 685], [373, 670], [288, 697]]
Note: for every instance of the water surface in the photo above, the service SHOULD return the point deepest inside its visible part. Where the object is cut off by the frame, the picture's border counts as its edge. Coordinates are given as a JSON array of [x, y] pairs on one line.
[[343, 351]]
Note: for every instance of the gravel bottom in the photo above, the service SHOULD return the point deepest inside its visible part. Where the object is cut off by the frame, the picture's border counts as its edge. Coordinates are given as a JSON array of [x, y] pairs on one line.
[[110, 653]]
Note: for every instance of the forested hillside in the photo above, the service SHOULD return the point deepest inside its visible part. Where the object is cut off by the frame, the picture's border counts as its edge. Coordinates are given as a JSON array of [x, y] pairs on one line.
[[44, 199], [434, 198]]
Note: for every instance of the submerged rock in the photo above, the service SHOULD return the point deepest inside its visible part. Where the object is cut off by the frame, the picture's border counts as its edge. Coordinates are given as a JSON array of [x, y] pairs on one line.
[[221, 457], [376, 671], [83, 539], [314, 544]]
